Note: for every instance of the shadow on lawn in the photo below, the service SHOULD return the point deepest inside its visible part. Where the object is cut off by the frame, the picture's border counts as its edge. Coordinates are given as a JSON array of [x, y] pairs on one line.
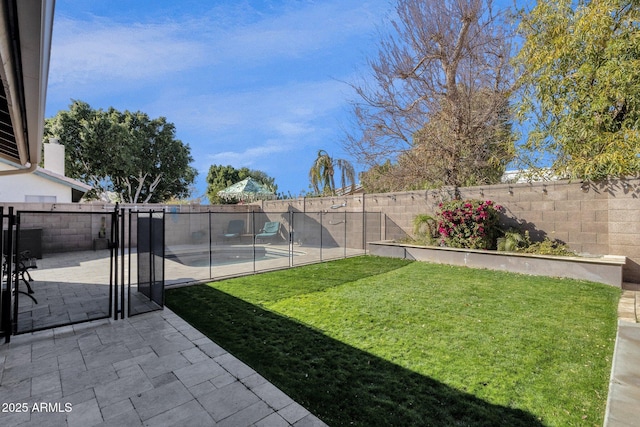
[[338, 383]]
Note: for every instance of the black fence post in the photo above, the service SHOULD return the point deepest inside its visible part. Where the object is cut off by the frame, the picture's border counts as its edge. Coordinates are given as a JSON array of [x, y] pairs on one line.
[[253, 239], [129, 260], [14, 224], [152, 263], [385, 227], [364, 223], [345, 234], [110, 244], [163, 256], [3, 289], [321, 235], [210, 244], [115, 223], [5, 309], [292, 231]]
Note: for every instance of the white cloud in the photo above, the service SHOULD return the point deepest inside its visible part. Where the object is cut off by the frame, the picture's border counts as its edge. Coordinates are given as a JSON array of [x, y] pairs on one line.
[[304, 28], [292, 129], [91, 52], [97, 49], [288, 110], [250, 156], [268, 129]]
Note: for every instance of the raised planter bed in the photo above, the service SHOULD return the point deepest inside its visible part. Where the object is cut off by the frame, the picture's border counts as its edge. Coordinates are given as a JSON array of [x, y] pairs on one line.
[[604, 269]]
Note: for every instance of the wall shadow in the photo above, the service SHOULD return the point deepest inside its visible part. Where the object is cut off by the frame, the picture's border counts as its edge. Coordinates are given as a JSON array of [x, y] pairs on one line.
[[613, 186], [509, 220], [311, 228], [631, 271], [393, 231], [338, 383]]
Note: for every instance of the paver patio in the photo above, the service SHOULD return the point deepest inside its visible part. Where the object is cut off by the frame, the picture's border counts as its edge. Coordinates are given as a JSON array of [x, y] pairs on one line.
[[153, 370]]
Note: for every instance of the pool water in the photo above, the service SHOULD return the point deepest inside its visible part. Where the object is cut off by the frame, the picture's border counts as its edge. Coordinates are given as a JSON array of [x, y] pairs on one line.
[[225, 257]]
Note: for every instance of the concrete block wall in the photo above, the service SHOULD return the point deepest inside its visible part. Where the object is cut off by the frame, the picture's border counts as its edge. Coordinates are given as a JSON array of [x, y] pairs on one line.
[[334, 221], [65, 227], [399, 209], [598, 219], [569, 212], [623, 215]]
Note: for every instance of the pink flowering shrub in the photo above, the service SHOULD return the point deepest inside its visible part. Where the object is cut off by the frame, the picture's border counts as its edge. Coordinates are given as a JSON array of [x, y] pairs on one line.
[[468, 224]]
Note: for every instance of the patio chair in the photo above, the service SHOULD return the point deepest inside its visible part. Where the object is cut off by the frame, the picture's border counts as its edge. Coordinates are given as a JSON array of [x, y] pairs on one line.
[[235, 228], [21, 270], [269, 230]]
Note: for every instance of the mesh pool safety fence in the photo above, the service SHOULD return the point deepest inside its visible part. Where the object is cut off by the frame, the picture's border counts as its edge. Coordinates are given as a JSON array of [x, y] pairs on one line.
[[92, 265]]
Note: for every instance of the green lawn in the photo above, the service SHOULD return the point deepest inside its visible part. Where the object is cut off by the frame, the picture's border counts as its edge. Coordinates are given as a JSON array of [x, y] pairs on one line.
[[375, 341]]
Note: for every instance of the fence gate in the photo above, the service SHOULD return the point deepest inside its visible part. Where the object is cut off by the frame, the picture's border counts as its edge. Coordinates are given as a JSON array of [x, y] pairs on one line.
[[146, 256], [56, 269], [62, 268]]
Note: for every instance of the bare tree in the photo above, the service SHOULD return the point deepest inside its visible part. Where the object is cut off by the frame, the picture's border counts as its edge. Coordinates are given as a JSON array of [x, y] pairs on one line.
[[437, 100]]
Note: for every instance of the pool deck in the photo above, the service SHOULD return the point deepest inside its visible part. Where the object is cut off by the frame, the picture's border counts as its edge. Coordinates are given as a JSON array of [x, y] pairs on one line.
[[153, 369]]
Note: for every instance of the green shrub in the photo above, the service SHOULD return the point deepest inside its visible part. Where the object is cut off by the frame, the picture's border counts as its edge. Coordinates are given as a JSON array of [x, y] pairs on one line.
[[515, 241], [548, 247], [425, 229], [512, 241]]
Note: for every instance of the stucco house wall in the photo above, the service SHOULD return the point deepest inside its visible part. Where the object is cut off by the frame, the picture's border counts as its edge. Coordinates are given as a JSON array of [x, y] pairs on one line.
[[32, 188], [44, 185]]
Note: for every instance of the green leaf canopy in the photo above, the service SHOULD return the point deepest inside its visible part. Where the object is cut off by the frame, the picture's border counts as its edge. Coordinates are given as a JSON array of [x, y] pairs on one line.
[[128, 153], [580, 68]]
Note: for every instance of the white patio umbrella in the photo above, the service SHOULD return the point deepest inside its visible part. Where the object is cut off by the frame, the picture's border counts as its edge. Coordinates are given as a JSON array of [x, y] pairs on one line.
[[247, 190]]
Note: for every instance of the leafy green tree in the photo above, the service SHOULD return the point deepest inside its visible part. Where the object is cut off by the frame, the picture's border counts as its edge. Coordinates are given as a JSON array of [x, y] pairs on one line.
[[438, 97], [129, 153], [79, 129], [221, 177], [581, 86], [323, 170]]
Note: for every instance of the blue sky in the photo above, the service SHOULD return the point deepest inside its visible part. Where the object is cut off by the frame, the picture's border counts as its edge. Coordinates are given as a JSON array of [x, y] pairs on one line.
[[247, 83]]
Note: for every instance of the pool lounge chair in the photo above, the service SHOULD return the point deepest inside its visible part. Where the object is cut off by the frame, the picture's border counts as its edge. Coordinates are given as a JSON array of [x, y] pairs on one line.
[[234, 229], [268, 231]]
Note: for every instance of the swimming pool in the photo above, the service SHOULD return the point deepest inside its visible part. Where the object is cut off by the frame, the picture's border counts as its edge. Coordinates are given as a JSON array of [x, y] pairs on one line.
[[225, 255]]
